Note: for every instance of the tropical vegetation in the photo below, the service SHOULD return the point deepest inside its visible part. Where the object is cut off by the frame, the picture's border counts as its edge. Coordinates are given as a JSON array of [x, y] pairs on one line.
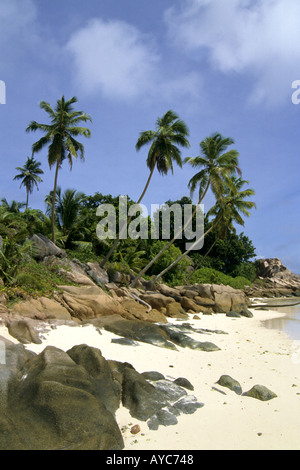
[[70, 217]]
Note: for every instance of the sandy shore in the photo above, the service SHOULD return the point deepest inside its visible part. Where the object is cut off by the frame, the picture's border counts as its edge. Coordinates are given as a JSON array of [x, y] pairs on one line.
[[250, 353]]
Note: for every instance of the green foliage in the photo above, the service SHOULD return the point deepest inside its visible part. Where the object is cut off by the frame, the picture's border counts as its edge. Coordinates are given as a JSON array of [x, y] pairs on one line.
[[39, 280], [176, 274], [12, 254], [247, 270], [212, 276], [228, 254]]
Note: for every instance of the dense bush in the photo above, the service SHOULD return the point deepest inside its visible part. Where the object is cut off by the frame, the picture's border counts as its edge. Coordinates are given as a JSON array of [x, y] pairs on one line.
[[212, 276], [37, 279], [176, 274]]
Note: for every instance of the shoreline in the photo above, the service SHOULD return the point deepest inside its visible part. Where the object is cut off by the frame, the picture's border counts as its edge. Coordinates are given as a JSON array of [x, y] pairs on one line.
[[250, 353]]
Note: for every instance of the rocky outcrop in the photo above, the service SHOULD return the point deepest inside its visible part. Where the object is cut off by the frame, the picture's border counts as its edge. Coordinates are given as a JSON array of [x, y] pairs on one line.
[[53, 402], [151, 398], [89, 302], [161, 335], [60, 400], [207, 298], [274, 280], [44, 247], [41, 308]]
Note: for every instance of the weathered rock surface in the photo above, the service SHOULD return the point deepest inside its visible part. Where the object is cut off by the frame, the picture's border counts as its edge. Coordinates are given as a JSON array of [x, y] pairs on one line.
[[229, 382], [275, 280], [42, 308], [52, 402], [60, 400], [260, 392], [89, 302], [45, 247], [166, 336], [203, 298]]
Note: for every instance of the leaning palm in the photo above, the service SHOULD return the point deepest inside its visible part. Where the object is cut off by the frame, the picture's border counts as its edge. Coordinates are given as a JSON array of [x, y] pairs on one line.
[[226, 211], [29, 174], [60, 138], [170, 133], [216, 164]]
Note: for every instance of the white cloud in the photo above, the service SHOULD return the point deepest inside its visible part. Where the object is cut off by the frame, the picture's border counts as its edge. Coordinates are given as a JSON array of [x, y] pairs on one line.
[[257, 38], [113, 57], [117, 60]]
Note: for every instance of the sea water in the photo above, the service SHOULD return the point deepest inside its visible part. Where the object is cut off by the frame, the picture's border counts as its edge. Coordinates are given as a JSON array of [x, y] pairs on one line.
[[290, 320]]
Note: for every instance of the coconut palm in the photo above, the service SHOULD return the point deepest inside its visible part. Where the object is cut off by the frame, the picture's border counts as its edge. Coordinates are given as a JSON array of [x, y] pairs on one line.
[[12, 207], [170, 133], [60, 138], [29, 174], [68, 205], [227, 210], [216, 163]]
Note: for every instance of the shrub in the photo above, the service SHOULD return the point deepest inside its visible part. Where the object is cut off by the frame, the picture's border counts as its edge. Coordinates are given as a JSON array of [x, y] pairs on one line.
[[36, 279], [212, 276]]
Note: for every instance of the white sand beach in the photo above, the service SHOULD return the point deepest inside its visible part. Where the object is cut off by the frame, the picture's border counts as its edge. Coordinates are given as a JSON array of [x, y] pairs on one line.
[[250, 353]]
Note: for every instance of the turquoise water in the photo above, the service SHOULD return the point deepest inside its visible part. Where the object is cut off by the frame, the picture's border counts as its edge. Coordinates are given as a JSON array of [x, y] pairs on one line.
[[289, 322]]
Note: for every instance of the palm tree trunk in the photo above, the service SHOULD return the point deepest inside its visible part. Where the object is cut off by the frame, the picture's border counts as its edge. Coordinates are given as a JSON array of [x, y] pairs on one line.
[[53, 202], [102, 264], [27, 197], [141, 273], [185, 253]]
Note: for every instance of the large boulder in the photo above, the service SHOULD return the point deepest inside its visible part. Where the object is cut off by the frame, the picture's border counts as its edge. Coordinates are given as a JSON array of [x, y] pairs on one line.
[[154, 399], [72, 270], [60, 400], [56, 403], [41, 308], [89, 302], [228, 299], [157, 300], [98, 274], [45, 247]]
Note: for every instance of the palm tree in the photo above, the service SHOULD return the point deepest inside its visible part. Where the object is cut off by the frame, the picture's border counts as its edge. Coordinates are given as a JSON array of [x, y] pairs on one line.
[[215, 165], [12, 207], [29, 174], [170, 133], [59, 136], [227, 210], [67, 208], [67, 212]]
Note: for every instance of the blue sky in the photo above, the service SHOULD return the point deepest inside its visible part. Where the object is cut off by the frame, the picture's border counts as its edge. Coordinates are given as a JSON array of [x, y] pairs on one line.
[[222, 66]]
